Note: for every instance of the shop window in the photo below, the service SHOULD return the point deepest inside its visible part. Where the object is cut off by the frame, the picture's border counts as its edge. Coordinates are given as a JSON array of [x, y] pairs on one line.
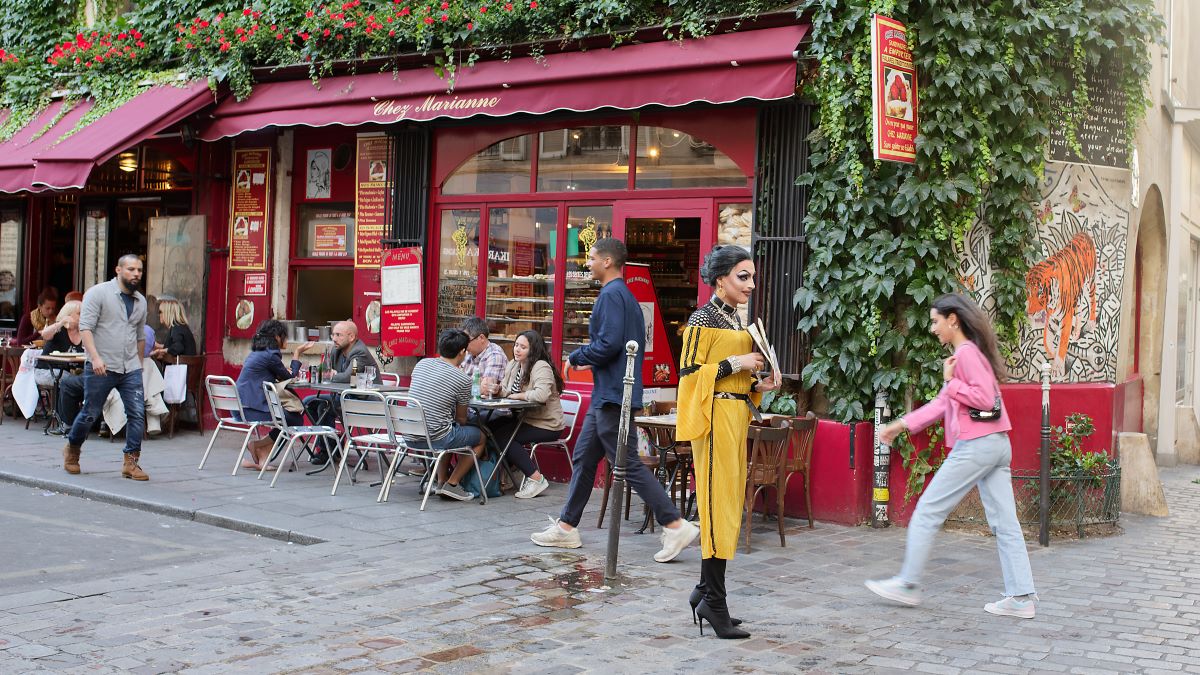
[[1189, 296], [11, 225], [585, 224], [322, 295], [520, 267], [142, 168], [583, 159], [502, 168], [325, 230], [668, 158], [458, 267], [94, 244]]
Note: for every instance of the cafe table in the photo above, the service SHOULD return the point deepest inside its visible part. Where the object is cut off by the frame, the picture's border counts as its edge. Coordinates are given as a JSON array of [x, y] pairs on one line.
[[663, 443], [59, 364], [491, 406], [336, 388]]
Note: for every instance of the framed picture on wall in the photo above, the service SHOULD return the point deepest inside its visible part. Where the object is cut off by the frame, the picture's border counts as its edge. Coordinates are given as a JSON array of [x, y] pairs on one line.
[[317, 185]]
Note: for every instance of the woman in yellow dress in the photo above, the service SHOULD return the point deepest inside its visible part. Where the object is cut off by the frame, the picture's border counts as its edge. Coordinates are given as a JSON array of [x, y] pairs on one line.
[[717, 388]]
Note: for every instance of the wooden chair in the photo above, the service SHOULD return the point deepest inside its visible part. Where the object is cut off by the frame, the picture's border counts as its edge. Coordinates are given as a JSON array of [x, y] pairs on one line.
[[195, 380], [767, 467], [799, 459], [659, 438]]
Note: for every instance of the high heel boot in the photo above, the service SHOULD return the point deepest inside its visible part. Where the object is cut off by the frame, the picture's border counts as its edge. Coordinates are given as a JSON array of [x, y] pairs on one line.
[[713, 608], [698, 595]]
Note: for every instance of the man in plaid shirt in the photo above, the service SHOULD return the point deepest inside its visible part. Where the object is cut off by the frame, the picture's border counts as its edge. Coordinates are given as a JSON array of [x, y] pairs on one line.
[[483, 356]]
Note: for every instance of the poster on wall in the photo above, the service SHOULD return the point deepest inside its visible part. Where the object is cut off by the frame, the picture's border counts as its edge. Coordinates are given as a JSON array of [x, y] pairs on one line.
[[329, 240], [317, 178], [401, 315], [893, 91], [249, 209], [372, 187], [1073, 291]]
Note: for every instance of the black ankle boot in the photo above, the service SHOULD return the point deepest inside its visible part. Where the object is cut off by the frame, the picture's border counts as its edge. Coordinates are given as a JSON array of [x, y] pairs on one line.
[[698, 595], [720, 622]]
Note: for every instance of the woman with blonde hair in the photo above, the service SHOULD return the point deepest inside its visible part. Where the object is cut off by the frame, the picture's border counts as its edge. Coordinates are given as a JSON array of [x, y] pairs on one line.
[[173, 319], [63, 337]]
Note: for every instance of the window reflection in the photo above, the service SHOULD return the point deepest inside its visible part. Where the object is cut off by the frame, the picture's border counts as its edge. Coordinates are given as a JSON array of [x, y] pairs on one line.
[[583, 159], [668, 158], [585, 225], [521, 267], [502, 168], [458, 267]]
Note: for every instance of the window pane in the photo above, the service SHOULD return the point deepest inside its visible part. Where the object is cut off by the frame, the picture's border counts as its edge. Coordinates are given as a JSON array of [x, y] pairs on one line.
[[503, 168], [458, 267], [585, 224], [520, 283], [583, 158], [10, 259], [668, 158], [323, 295], [326, 231], [95, 246]]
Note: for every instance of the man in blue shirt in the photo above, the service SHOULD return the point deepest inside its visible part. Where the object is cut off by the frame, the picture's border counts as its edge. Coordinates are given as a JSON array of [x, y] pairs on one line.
[[616, 319]]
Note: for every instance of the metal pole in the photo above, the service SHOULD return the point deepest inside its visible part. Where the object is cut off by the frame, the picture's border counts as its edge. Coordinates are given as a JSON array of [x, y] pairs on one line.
[[880, 495], [1044, 480], [617, 492]]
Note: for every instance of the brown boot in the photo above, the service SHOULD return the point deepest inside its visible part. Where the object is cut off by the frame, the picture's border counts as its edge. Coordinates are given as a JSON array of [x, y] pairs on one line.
[[131, 468], [71, 458]]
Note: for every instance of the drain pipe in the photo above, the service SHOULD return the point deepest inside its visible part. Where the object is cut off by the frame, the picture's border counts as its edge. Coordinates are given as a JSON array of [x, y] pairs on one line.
[[618, 481]]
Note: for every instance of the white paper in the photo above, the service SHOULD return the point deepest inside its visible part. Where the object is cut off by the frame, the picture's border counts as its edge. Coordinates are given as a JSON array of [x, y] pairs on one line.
[[401, 285]]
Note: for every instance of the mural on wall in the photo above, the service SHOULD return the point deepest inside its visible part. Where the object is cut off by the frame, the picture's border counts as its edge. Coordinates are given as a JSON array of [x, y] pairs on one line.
[[1073, 292]]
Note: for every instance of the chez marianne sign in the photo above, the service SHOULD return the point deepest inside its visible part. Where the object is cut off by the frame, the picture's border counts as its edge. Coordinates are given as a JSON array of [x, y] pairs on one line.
[[394, 110]]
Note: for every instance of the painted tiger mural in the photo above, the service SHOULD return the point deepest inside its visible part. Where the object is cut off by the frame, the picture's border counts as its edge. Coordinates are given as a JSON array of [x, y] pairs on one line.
[[1055, 285]]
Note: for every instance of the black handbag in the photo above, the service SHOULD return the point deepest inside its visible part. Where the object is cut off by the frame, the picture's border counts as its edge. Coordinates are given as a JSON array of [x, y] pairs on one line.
[[990, 415]]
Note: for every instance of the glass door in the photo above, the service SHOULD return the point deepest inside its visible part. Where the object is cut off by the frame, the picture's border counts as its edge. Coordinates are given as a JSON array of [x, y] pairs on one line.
[[458, 268], [521, 269]]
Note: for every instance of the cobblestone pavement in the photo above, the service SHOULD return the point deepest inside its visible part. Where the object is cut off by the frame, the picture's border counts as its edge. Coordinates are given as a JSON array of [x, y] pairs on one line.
[[459, 588]]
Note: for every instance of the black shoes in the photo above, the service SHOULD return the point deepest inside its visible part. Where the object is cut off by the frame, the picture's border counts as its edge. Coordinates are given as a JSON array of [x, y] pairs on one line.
[[695, 598], [720, 622]]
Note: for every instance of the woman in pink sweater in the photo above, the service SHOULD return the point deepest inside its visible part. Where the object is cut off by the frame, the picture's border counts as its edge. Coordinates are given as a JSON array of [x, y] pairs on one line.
[[980, 456]]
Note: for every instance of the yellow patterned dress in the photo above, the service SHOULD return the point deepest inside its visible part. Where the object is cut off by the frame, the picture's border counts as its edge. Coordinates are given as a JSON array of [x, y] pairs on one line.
[[714, 417]]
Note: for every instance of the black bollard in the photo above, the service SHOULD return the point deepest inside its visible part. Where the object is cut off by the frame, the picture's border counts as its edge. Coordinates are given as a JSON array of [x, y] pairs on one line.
[[618, 482]]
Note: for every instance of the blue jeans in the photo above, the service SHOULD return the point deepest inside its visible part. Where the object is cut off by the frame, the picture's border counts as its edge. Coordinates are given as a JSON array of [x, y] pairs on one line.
[[982, 462], [95, 392], [460, 436], [598, 438]]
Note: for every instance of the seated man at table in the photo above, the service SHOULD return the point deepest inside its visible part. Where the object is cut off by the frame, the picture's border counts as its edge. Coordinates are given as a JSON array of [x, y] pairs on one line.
[[346, 352], [484, 357], [443, 391]]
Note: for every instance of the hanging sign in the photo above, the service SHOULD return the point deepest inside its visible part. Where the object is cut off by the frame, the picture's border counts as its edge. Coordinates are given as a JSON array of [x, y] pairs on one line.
[[402, 316], [893, 92], [372, 186], [249, 209]]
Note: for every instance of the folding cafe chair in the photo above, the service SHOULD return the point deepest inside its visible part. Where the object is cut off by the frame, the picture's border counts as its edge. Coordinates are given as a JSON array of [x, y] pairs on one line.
[[408, 419], [368, 428], [226, 408], [286, 446]]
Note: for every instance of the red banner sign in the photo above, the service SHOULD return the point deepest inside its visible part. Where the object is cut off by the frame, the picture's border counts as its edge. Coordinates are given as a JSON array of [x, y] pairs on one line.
[[372, 184], [658, 370], [402, 316], [894, 91], [249, 208], [255, 284], [329, 240]]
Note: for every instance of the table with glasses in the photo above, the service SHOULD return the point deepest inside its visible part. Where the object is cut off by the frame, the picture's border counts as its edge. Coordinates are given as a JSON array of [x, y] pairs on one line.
[[491, 406], [58, 364]]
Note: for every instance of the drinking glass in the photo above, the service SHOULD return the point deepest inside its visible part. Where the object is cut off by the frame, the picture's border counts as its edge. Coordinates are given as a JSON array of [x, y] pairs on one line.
[[369, 374], [487, 388]]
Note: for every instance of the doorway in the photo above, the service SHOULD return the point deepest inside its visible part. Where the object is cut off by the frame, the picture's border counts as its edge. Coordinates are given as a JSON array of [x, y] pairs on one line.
[[669, 236]]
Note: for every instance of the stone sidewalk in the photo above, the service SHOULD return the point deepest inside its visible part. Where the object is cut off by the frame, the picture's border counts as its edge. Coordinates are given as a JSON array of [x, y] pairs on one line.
[[459, 588]]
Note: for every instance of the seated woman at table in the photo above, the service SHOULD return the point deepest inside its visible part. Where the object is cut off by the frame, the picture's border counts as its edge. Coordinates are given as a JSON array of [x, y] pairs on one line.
[[530, 376], [63, 336], [179, 340], [265, 364]]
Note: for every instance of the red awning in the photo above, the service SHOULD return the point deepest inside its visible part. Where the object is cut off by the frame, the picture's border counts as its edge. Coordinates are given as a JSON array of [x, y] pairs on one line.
[[59, 159], [757, 64]]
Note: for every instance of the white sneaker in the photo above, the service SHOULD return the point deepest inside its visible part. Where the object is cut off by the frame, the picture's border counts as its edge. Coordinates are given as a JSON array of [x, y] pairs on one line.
[[896, 590], [557, 537], [675, 540], [1010, 606], [531, 488]]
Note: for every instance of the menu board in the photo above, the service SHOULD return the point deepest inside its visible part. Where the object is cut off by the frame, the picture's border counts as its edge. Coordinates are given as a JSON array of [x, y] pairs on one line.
[[249, 205], [893, 91], [1101, 132], [329, 240], [402, 318], [372, 187]]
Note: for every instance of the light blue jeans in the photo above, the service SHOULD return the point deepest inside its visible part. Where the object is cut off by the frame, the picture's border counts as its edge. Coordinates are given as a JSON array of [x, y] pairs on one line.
[[982, 462]]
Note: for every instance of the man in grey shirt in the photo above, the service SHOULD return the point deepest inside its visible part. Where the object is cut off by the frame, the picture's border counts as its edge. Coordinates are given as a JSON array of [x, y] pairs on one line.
[[111, 323]]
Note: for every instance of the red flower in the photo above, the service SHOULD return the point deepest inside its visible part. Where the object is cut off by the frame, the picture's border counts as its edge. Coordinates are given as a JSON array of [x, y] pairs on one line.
[[445, 5], [508, 6], [391, 33], [224, 46], [483, 10], [303, 36], [470, 26], [404, 11], [429, 19], [309, 14], [533, 5], [189, 46], [445, 18], [247, 12], [326, 32], [244, 38]]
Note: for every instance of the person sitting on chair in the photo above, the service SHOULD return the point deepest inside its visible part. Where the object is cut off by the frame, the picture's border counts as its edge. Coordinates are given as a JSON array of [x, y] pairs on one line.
[[265, 364], [346, 353], [63, 336], [530, 376], [179, 340], [443, 391], [34, 322]]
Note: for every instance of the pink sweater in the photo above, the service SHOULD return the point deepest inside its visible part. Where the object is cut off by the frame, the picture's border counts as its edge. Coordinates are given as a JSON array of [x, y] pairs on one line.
[[973, 386]]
